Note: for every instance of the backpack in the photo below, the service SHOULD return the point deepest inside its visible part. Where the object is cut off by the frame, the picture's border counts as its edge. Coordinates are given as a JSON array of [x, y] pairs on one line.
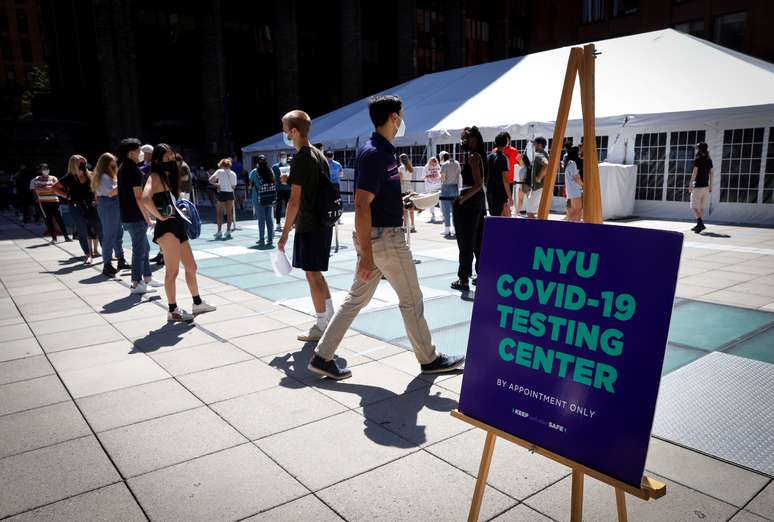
[[329, 206], [267, 194], [193, 226]]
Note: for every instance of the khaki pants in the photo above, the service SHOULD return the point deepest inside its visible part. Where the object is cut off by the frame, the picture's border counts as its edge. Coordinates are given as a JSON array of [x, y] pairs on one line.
[[392, 258]]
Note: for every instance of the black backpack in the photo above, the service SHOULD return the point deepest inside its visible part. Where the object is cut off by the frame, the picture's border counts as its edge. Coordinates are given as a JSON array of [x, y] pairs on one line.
[[329, 206]]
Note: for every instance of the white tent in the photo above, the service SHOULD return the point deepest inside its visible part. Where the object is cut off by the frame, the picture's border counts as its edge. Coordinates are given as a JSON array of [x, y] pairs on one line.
[[657, 94]]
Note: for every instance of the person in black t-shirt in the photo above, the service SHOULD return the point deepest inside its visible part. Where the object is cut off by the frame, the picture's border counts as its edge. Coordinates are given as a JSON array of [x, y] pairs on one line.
[[498, 188], [701, 185], [76, 187], [312, 242]]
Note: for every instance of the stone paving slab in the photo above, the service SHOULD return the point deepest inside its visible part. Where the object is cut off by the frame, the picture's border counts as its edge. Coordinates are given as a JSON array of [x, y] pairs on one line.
[[114, 503], [39, 477], [136, 404], [112, 376], [164, 441], [24, 369], [19, 348], [33, 429], [306, 508], [197, 358], [763, 503], [227, 485], [33, 393]]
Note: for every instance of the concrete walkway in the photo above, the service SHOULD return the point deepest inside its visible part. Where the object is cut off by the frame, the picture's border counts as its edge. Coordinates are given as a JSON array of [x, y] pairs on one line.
[[109, 413]]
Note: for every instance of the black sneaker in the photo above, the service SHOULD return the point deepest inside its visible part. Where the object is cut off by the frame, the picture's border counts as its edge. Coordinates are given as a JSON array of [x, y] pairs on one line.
[[109, 271], [444, 364], [328, 369], [122, 264], [699, 228], [159, 258]]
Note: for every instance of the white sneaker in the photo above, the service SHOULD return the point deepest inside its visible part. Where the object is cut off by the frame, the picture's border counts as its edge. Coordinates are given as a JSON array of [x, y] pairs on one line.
[[141, 288], [228, 235], [87, 261], [155, 283], [315, 333], [217, 235], [202, 308], [179, 315]]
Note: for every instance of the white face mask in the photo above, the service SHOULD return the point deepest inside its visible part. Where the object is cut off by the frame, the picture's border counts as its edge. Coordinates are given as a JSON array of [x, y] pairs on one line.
[[283, 161], [401, 128], [287, 140]]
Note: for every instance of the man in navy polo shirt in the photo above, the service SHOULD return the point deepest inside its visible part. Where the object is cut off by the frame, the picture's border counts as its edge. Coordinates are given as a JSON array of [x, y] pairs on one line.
[[381, 248]]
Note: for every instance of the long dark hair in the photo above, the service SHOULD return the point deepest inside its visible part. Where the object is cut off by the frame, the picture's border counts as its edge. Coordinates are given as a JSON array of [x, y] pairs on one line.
[[267, 176], [572, 154], [171, 182], [473, 132], [702, 150]]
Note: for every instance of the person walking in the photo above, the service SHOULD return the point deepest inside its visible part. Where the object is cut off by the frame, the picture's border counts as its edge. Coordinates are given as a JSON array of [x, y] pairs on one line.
[[226, 180], [264, 196], [539, 171], [701, 185], [450, 190], [498, 186], [159, 197], [469, 208], [134, 216], [104, 183], [432, 180], [312, 242], [75, 186], [43, 186], [382, 249], [524, 179], [406, 173], [281, 169], [574, 185]]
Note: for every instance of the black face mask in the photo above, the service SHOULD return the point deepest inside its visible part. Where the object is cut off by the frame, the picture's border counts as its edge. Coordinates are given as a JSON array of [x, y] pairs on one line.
[[170, 167]]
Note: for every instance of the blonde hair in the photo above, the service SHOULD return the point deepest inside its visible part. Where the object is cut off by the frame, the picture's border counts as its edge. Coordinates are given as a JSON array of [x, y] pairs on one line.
[[222, 163], [73, 162], [407, 162], [102, 167]]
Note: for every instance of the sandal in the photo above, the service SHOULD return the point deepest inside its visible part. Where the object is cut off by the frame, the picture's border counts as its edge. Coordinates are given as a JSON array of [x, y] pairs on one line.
[[460, 285]]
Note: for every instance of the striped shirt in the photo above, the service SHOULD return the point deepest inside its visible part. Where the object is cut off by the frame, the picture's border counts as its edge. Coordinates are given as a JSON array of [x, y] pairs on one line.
[[44, 185]]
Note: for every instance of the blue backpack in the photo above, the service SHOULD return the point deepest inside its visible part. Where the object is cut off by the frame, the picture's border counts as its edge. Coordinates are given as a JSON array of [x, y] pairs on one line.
[[194, 227]]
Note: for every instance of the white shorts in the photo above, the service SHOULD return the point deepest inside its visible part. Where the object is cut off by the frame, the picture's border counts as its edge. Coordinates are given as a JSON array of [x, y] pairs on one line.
[[533, 201], [700, 198]]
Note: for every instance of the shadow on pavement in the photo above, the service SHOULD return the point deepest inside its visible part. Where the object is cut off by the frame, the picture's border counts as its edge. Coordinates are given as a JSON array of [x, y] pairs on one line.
[[168, 335]]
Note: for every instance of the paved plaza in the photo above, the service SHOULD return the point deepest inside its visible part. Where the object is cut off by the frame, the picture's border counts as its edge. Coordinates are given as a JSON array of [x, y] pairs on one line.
[[107, 412]]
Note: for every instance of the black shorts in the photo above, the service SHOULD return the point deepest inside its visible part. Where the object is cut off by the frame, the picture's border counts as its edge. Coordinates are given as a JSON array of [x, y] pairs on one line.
[[225, 196], [311, 250], [175, 226]]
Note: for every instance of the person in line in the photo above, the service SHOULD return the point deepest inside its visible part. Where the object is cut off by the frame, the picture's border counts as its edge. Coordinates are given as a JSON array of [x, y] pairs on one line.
[[43, 185], [450, 190], [382, 249], [406, 172], [524, 179], [514, 162], [146, 151], [498, 187], [226, 181], [280, 171], [158, 197], [336, 170], [104, 184], [539, 171], [312, 242], [75, 186], [264, 196], [186, 178], [574, 185], [469, 208], [701, 185], [134, 216], [432, 180]]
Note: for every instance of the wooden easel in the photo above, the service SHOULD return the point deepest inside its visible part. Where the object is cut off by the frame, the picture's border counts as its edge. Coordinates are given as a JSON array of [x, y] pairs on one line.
[[649, 489], [581, 62]]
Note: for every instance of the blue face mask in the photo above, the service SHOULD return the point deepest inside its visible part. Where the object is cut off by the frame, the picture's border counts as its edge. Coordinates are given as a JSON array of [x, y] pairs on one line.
[[287, 140]]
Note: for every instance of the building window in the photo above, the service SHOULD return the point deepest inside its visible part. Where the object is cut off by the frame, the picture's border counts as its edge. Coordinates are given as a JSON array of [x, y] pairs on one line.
[[740, 169], [346, 157], [521, 145], [431, 36], [3, 20], [22, 25], [476, 33], [694, 28], [592, 11], [625, 7], [649, 155], [681, 153], [7, 49], [768, 177], [602, 142], [10, 74], [730, 30], [26, 50]]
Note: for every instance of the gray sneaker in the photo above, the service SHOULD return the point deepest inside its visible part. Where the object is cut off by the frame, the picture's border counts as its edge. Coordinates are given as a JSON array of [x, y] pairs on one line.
[[314, 335]]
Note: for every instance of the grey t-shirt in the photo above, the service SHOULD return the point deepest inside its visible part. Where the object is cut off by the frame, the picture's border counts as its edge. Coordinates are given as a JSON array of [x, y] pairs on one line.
[[450, 172], [541, 160], [106, 184]]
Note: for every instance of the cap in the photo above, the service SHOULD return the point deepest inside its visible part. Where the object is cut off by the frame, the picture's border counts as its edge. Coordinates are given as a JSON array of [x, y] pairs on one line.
[[442, 153], [147, 149]]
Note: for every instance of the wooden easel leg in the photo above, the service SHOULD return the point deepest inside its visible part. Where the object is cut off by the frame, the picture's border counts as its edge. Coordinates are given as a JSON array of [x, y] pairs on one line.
[[576, 500], [483, 473], [620, 501]]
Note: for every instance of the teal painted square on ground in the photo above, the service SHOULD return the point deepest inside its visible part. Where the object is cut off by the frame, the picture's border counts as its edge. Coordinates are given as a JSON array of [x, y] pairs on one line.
[[760, 347], [709, 326]]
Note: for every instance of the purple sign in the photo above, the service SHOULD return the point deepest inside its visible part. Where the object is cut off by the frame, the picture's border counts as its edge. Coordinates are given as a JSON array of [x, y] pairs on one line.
[[568, 336]]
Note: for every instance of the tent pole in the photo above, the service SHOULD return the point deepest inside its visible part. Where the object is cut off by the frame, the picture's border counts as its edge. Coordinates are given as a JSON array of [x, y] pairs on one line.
[[592, 199], [576, 54]]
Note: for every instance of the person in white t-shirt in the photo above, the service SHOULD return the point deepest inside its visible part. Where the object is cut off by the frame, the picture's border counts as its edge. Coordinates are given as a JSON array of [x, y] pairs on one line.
[[432, 180], [226, 181]]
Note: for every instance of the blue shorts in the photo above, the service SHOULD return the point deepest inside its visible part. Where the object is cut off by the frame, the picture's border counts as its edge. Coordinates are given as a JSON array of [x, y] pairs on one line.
[[311, 250]]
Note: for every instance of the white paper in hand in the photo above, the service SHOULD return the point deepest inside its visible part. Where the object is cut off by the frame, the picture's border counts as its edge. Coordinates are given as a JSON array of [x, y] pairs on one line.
[[280, 263]]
